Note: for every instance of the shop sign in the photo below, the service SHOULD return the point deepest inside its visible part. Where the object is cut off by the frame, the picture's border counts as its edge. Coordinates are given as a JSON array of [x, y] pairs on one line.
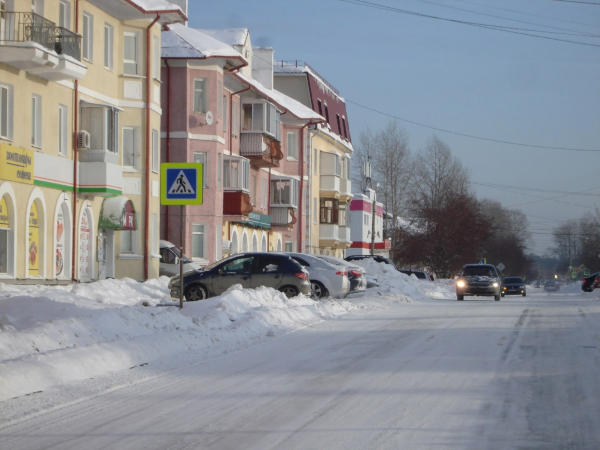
[[259, 220], [16, 164], [60, 244], [4, 217], [34, 236]]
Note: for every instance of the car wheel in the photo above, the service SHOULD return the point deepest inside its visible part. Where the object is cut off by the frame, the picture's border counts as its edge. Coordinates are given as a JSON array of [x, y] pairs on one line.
[[289, 291], [195, 293], [460, 297], [524, 294], [318, 291], [502, 295], [497, 298]]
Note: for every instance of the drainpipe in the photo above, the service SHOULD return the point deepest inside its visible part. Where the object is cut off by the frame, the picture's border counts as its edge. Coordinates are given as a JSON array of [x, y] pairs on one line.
[[148, 138], [75, 127]]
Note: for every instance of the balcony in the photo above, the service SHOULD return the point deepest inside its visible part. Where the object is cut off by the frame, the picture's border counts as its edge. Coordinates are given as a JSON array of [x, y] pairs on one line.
[[100, 178], [344, 235], [236, 203], [261, 149], [330, 185], [329, 235], [32, 43], [283, 216], [345, 187]]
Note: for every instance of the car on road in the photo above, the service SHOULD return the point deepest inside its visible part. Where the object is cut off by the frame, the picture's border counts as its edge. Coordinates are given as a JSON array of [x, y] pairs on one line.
[[356, 274], [170, 258], [326, 279], [551, 286], [588, 284], [420, 274], [478, 280], [513, 286], [251, 270]]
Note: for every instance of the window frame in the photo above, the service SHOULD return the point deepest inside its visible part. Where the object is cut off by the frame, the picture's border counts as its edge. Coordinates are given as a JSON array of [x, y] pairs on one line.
[[203, 236], [242, 177], [292, 156], [204, 157], [63, 114], [328, 214], [110, 125], [135, 155], [109, 45], [6, 111], [128, 63], [287, 195], [133, 239], [200, 99], [64, 17], [267, 121], [87, 43]]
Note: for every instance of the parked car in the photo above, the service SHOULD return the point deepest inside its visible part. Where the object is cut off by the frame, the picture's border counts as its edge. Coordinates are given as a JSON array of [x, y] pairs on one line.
[[169, 260], [325, 278], [590, 283], [551, 286], [420, 274], [356, 274], [478, 279], [251, 270], [513, 286], [376, 258]]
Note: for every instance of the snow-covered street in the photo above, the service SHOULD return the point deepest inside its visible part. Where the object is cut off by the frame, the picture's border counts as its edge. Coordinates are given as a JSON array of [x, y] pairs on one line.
[[403, 366]]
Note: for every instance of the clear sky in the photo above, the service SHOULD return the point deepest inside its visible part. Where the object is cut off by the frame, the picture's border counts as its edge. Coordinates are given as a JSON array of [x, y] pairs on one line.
[[447, 72]]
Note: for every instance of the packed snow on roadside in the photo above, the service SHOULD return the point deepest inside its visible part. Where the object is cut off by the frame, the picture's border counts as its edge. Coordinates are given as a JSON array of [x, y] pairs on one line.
[[54, 335]]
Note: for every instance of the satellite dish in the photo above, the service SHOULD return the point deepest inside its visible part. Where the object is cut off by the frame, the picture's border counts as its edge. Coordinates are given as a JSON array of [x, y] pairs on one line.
[[209, 118]]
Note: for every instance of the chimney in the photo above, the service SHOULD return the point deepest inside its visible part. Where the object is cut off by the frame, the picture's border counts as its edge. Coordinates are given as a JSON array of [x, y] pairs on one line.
[[262, 66]]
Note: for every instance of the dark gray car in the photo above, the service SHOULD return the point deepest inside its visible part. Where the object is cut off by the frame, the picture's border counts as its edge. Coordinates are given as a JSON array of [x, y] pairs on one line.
[[513, 286], [478, 279], [251, 270]]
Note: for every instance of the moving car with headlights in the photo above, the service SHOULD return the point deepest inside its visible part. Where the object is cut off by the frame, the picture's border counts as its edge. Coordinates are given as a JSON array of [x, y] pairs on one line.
[[478, 280], [588, 284], [325, 278], [356, 274], [513, 286], [251, 270]]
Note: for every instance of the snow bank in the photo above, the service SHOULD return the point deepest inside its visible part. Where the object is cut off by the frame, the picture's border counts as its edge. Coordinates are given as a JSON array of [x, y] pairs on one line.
[[53, 335]]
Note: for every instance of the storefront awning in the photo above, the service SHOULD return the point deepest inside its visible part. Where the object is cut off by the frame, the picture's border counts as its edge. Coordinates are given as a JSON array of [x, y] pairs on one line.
[[117, 213]]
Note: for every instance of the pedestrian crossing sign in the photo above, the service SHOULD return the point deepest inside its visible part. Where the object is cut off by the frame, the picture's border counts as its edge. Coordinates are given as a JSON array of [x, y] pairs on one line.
[[181, 184]]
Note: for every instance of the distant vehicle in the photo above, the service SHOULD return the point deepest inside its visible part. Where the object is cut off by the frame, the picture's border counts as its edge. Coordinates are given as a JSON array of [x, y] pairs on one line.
[[169, 260], [325, 278], [551, 286], [356, 274], [376, 258], [590, 283], [478, 279], [251, 270], [420, 274], [513, 286]]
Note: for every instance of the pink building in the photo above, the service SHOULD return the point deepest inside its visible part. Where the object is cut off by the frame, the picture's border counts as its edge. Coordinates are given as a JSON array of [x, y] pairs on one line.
[[221, 110]]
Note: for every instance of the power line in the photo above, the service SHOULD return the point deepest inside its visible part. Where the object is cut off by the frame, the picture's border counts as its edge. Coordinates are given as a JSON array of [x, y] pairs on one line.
[[463, 22], [573, 1], [472, 136], [584, 192]]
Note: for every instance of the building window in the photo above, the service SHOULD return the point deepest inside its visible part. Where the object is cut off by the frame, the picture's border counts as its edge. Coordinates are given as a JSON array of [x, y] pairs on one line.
[[88, 36], [284, 192], [320, 107], [344, 125], [253, 190], [6, 111], [198, 246], [225, 113], [292, 145], [102, 122], [202, 158], [156, 57], [289, 246], [36, 120], [64, 14], [129, 240], [329, 210], [263, 193], [261, 117], [235, 119], [155, 152], [339, 125], [327, 113], [200, 95], [130, 53], [331, 164], [108, 46], [219, 171], [220, 99], [343, 216], [62, 130], [236, 173], [130, 147]]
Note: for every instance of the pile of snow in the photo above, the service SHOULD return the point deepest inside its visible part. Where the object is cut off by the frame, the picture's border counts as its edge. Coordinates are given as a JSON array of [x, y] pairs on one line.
[[54, 335]]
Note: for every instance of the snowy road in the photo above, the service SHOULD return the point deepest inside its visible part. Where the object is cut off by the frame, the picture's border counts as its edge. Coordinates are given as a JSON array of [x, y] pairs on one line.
[[437, 374]]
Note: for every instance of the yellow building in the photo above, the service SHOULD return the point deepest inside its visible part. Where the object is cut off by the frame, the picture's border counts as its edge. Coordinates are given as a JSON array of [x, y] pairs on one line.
[[79, 135]]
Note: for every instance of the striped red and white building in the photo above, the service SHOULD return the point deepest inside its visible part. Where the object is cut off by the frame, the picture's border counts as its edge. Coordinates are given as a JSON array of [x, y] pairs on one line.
[[361, 225]]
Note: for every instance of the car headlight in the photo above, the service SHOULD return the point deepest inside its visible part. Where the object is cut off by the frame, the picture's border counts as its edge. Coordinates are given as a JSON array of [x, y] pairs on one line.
[[461, 283], [495, 284]]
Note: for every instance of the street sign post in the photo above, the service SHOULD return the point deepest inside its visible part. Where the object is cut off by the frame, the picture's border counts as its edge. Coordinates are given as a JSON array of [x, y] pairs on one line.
[[181, 184]]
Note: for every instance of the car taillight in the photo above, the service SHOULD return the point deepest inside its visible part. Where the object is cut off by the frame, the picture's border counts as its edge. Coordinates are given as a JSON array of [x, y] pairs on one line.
[[342, 273], [356, 273], [301, 275]]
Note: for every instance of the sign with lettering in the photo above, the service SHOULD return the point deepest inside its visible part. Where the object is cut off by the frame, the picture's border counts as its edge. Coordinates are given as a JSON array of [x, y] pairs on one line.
[[4, 217], [16, 164], [33, 244]]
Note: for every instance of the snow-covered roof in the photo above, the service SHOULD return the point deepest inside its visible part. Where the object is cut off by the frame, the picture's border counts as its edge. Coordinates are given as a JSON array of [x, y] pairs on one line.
[[283, 101], [184, 42], [233, 36], [131, 9]]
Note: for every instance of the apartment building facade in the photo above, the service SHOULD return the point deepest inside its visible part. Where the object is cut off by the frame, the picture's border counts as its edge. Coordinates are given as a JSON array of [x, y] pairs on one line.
[[79, 135], [330, 150]]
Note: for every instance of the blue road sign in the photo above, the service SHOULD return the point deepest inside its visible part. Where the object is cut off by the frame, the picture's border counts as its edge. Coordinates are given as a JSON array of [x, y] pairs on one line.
[[181, 184]]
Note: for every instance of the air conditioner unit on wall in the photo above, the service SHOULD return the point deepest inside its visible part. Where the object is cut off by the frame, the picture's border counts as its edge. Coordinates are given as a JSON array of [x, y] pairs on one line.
[[83, 140]]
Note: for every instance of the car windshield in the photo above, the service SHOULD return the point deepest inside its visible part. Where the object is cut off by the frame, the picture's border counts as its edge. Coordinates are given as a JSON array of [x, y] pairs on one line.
[[481, 271], [176, 251], [513, 280]]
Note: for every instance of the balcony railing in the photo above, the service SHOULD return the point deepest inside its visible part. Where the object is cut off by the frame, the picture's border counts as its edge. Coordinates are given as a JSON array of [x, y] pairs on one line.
[[236, 203], [262, 149], [283, 216], [31, 27]]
